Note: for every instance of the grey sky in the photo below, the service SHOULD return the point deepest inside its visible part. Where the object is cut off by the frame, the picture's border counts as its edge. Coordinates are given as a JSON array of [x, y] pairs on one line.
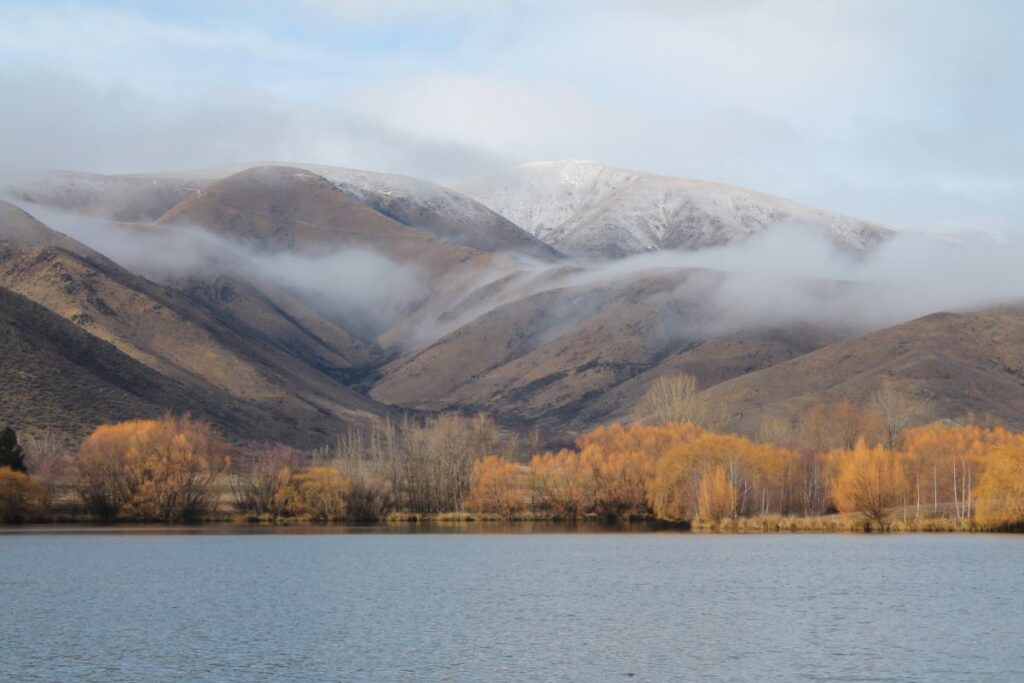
[[907, 112]]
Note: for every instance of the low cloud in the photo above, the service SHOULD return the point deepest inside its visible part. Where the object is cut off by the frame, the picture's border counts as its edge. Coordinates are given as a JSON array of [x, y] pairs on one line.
[[794, 273], [786, 275], [364, 290]]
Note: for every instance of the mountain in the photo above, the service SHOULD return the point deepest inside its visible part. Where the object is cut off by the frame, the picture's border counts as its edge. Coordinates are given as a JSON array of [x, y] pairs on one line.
[[59, 378], [130, 198], [589, 209], [568, 348], [262, 368], [252, 323], [418, 204], [440, 211], [958, 363], [280, 208]]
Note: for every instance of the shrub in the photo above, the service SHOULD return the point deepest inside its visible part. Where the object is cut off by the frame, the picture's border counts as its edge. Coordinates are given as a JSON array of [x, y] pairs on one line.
[[320, 492], [150, 469], [19, 496], [257, 486]]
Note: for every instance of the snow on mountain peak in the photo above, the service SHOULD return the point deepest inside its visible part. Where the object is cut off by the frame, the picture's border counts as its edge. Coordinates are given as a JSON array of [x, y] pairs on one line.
[[592, 209]]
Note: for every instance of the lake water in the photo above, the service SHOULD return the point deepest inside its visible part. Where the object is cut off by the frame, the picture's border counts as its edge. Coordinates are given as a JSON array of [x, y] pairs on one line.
[[513, 607]]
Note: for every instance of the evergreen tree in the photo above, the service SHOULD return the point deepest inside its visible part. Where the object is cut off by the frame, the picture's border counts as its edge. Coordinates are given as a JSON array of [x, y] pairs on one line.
[[11, 454]]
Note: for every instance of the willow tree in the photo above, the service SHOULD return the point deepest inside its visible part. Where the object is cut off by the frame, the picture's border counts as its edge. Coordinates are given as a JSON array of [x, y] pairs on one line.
[[869, 481]]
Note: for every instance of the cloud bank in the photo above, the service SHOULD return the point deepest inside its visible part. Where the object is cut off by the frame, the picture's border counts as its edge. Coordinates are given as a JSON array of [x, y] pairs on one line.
[[363, 290], [905, 113], [786, 275]]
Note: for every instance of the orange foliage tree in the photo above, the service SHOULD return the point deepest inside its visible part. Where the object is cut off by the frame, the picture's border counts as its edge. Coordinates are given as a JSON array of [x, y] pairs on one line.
[[562, 483], [717, 497], [945, 461], [1001, 491], [622, 461], [756, 475], [497, 486], [870, 481], [320, 493], [150, 469]]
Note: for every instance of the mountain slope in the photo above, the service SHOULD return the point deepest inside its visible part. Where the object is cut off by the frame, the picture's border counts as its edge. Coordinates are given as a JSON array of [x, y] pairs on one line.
[[279, 208], [431, 208], [957, 362], [566, 351], [418, 204], [588, 209], [59, 378], [116, 197], [272, 357]]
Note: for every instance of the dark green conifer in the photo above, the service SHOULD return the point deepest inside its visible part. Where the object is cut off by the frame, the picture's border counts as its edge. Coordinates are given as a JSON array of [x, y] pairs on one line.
[[11, 454]]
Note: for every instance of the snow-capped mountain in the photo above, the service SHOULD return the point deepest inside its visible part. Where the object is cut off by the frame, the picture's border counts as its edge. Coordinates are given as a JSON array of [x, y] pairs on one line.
[[416, 203], [591, 209], [436, 209]]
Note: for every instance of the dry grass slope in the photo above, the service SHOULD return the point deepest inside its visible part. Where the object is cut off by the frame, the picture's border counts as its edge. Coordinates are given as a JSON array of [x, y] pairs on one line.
[[958, 362]]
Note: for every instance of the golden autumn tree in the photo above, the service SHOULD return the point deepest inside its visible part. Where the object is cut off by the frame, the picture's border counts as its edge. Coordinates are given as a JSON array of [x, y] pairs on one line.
[[717, 497], [869, 481], [562, 483], [945, 461], [672, 491], [150, 469], [318, 492], [497, 486], [756, 473], [620, 482], [621, 461], [1000, 501]]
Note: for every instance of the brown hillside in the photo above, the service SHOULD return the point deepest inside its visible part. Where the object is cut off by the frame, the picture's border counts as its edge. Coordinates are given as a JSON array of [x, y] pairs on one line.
[[58, 378], [275, 356], [418, 204], [958, 362], [279, 208], [568, 357]]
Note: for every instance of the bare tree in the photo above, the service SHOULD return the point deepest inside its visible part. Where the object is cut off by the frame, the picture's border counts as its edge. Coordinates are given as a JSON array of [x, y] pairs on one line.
[[677, 398], [418, 467], [48, 462], [258, 485], [897, 410]]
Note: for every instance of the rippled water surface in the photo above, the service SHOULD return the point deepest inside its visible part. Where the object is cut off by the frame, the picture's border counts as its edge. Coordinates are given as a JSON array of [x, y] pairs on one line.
[[514, 607]]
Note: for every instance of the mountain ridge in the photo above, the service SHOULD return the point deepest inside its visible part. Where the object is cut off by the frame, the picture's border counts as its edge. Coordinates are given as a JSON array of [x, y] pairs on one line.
[[590, 209]]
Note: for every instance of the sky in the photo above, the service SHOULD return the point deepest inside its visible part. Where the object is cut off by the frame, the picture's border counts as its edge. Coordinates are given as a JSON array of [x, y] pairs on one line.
[[906, 112]]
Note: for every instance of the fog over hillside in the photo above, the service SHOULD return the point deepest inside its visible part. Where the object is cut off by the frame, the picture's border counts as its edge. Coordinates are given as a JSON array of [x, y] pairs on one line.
[[360, 285], [786, 273]]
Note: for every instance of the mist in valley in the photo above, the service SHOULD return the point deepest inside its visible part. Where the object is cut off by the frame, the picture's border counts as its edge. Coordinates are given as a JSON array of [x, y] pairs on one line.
[[786, 275], [359, 287]]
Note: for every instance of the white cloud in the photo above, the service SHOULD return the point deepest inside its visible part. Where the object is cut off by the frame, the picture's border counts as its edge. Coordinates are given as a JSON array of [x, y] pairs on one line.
[[904, 112]]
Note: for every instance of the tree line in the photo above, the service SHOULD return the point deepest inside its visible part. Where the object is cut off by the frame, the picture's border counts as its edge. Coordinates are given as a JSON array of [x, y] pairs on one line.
[[671, 462], [967, 475]]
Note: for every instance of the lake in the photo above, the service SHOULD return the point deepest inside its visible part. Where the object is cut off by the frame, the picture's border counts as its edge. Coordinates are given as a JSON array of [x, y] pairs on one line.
[[213, 606]]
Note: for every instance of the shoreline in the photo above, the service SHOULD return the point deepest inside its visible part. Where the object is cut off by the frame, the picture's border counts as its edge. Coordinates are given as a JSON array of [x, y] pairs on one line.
[[473, 524]]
